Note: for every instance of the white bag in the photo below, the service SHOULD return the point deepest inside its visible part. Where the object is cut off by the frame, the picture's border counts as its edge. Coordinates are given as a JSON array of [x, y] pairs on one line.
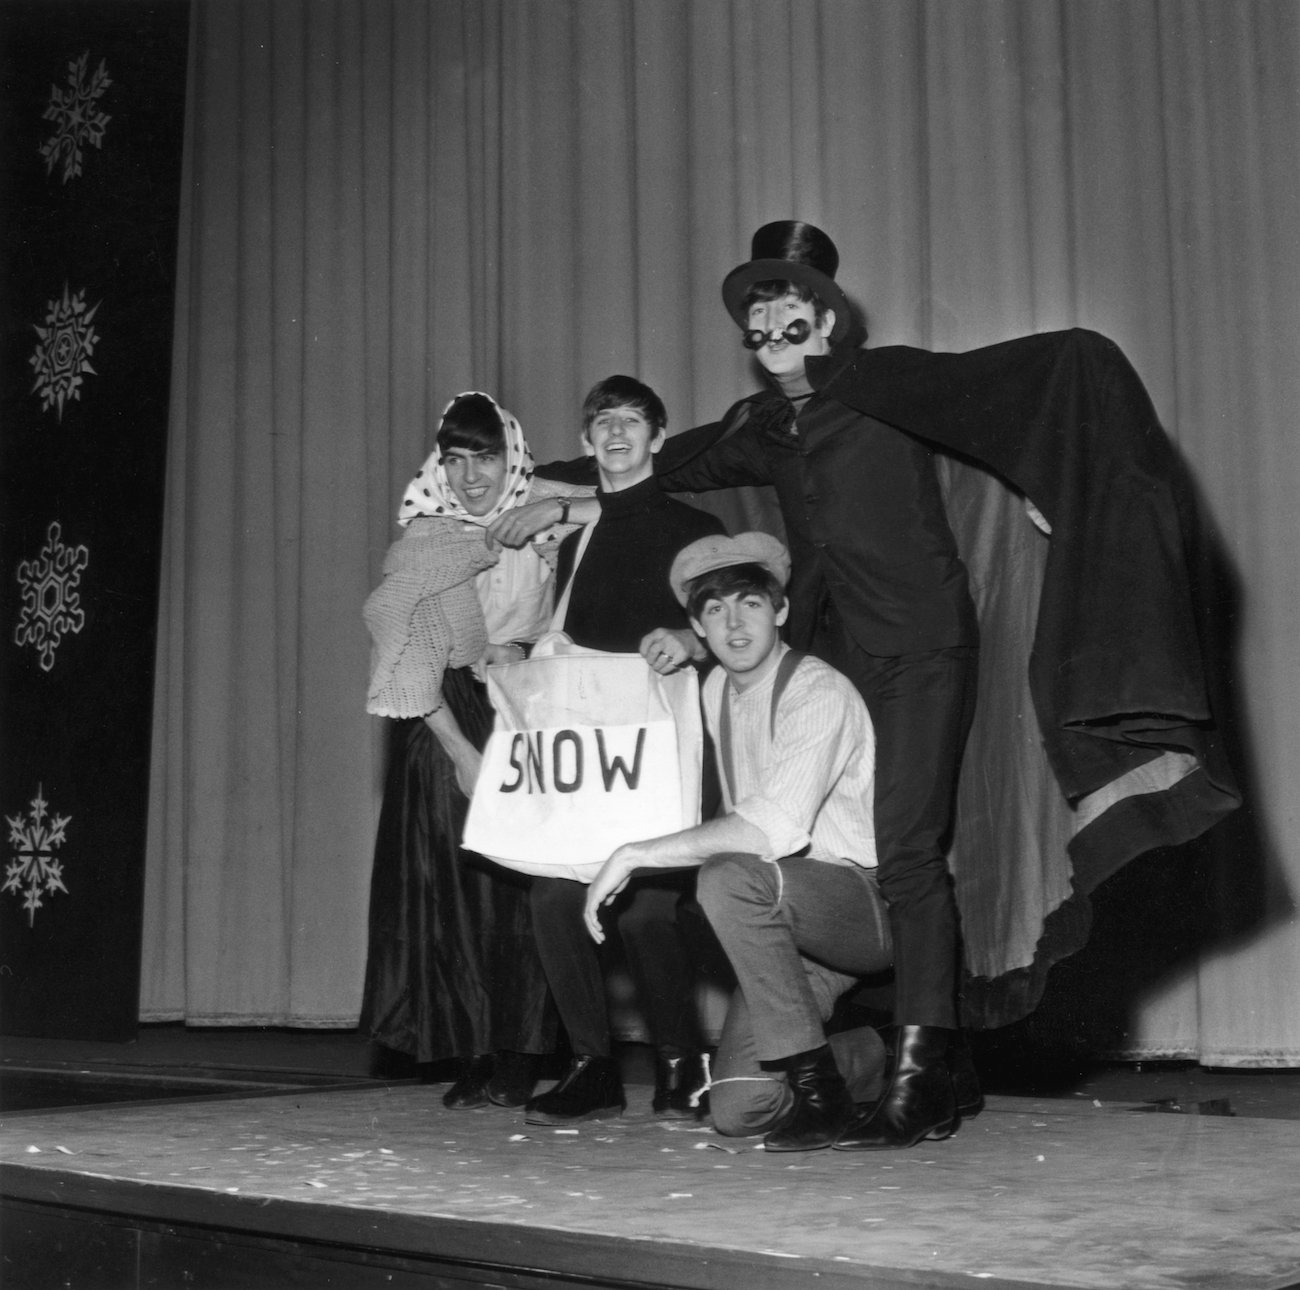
[[589, 750]]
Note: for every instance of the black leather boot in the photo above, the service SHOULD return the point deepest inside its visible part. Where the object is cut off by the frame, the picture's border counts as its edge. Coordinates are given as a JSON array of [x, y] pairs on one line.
[[678, 1076], [470, 1090], [822, 1105], [918, 1101], [592, 1087], [513, 1078]]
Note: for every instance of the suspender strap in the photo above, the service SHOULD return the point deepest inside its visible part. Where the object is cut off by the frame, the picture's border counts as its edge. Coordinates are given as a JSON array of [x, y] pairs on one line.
[[785, 669]]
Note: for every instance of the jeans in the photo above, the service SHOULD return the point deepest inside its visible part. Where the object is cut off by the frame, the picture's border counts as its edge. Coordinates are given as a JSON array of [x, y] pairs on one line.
[[798, 933]]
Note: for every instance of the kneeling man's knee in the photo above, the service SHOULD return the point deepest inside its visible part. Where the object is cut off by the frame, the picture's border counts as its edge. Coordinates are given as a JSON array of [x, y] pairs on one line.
[[741, 1108], [734, 876]]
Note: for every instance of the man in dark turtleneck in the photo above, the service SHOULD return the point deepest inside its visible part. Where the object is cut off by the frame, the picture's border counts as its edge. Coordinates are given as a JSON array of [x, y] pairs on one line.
[[614, 574]]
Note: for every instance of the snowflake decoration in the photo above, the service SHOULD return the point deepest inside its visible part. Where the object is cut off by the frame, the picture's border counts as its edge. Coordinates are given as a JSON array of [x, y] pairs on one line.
[[35, 872], [66, 344], [51, 605], [77, 118]]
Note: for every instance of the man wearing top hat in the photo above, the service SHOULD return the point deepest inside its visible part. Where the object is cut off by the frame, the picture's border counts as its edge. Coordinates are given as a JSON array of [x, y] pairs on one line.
[[879, 592]]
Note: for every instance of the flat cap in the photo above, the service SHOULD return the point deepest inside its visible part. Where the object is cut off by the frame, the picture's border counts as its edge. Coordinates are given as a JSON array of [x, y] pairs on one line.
[[710, 553]]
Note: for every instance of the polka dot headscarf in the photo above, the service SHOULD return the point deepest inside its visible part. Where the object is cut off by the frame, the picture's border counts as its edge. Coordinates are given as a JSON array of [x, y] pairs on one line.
[[430, 493]]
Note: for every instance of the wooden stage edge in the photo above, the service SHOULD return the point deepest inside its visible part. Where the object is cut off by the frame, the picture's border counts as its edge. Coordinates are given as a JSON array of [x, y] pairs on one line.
[[220, 1241], [369, 1188]]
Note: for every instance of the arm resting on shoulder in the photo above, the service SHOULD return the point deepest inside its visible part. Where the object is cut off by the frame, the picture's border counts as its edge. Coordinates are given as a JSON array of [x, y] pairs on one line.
[[718, 455], [696, 461], [521, 523]]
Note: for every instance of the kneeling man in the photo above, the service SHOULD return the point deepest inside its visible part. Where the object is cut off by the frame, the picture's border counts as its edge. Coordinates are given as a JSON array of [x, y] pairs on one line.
[[787, 873]]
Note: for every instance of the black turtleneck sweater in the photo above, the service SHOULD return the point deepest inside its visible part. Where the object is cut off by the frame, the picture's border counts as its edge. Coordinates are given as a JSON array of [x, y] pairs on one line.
[[621, 591]]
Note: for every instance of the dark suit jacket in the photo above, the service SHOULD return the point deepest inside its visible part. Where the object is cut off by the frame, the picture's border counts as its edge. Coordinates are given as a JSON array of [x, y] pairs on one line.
[[863, 516]]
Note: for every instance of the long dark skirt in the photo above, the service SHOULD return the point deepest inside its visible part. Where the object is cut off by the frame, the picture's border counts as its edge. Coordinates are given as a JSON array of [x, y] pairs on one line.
[[452, 969]]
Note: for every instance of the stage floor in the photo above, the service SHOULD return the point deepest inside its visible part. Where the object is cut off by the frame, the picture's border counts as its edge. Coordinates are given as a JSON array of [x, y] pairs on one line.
[[1031, 1193]]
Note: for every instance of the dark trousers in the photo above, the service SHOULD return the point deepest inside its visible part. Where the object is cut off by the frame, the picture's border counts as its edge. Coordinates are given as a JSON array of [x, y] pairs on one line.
[[660, 960], [921, 706]]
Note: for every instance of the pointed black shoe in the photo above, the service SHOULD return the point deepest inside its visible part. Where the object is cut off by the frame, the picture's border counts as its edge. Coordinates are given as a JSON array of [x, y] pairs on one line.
[[591, 1088], [822, 1105], [470, 1090], [513, 1078], [678, 1077], [918, 1101]]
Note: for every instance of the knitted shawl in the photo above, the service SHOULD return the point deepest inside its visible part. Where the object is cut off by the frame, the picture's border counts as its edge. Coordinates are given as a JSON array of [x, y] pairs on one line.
[[425, 616]]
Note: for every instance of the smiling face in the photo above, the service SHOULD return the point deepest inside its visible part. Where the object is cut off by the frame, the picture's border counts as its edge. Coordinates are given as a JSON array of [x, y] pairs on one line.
[[742, 630], [623, 442], [475, 477], [778, 355]]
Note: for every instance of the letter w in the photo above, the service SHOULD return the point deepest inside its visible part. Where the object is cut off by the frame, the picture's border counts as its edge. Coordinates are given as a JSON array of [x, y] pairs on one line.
[[617, 766]]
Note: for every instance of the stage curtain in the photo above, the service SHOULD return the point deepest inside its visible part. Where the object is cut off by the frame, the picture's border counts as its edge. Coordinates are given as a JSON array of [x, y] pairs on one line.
[[387, 203]]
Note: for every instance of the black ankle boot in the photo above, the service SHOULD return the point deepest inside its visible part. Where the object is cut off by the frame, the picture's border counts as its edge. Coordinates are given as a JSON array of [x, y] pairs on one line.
[[513, 1078], [678, 1076], [470, 1090], [822, 1105], [591, 1087], [918, 1101]]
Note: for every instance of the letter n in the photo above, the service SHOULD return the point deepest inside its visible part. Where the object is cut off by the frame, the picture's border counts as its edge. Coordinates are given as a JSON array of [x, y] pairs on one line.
[[536, 767]]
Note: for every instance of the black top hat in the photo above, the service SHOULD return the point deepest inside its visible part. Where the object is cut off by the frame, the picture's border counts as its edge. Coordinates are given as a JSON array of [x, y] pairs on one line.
[[789, 250]]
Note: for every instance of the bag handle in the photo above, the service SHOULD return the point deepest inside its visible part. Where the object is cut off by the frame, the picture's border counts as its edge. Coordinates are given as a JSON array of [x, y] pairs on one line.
[[562, 606], [785, 669]]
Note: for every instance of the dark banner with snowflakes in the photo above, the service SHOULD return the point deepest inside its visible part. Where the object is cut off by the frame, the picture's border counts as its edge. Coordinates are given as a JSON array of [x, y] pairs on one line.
[[90, 162]]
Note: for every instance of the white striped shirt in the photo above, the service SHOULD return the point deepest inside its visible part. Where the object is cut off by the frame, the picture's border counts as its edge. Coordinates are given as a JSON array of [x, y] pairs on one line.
[[812, 784]]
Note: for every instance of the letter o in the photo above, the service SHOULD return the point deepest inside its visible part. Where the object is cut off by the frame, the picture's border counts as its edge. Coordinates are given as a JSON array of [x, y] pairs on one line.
[[563, 785]]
